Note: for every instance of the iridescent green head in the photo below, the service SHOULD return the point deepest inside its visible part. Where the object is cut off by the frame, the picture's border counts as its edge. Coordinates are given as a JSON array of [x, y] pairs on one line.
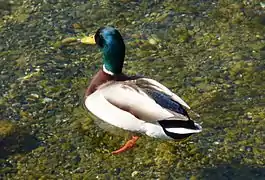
[[112, 46]]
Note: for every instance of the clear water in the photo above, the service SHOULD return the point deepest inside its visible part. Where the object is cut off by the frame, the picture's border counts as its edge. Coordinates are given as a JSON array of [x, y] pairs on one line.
[[211, 53]]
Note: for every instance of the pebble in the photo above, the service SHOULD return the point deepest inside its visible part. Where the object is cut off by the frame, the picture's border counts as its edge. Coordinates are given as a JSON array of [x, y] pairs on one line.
[[134, 173], [46, 100], [152, 41], [79, 170], [249, 115], [216, 142], [34, 95], [16, 105]]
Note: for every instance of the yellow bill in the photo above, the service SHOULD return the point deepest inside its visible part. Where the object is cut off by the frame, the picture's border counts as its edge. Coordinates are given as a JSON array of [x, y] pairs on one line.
[[88, 40]]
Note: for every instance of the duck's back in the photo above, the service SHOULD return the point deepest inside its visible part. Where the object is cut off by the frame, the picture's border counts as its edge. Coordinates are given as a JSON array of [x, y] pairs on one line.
[[130, 98], [142, 100]]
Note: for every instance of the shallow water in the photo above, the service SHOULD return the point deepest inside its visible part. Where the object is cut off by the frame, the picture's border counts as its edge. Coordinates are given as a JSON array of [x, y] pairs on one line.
[[211, 53]]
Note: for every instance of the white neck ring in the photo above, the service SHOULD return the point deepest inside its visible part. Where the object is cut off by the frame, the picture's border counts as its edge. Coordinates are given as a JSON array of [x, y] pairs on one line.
[[107, 71]]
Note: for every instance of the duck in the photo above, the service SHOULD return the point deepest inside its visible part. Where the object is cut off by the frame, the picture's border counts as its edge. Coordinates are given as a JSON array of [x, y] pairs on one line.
[[137, 104]]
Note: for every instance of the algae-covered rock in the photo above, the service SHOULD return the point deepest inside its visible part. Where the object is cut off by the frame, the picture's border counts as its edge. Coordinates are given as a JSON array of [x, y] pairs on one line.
[[7, 128]]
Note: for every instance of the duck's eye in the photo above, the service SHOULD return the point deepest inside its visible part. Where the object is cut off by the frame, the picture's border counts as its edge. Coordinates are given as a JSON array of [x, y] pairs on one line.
[[99, 39]]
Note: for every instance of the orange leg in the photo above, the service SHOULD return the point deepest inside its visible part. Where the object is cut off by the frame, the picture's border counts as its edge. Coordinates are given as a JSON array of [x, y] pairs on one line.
[[128, 145]]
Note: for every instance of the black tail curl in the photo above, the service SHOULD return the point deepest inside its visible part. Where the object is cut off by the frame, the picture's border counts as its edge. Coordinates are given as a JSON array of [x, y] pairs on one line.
[[177, 124]]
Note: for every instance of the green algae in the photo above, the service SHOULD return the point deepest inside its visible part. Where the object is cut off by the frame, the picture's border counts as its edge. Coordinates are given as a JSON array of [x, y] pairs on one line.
[[210, 53], [14, 11], [6, 129]]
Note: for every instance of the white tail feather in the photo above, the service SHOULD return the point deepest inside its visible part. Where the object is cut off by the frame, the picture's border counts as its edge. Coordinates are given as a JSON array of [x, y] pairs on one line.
[[185, 130]]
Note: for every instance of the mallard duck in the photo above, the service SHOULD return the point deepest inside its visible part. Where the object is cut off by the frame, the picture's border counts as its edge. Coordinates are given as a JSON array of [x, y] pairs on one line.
[[136, 104]]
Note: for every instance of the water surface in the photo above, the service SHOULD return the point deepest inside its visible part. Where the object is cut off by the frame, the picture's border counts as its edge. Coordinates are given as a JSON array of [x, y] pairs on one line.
[[211, 53]]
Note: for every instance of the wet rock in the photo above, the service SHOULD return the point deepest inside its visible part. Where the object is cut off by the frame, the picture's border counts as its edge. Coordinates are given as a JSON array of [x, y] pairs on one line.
[[134, 173]]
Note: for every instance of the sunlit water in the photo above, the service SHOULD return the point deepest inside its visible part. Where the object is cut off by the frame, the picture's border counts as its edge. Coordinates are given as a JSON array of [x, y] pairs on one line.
[[211, 53]]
